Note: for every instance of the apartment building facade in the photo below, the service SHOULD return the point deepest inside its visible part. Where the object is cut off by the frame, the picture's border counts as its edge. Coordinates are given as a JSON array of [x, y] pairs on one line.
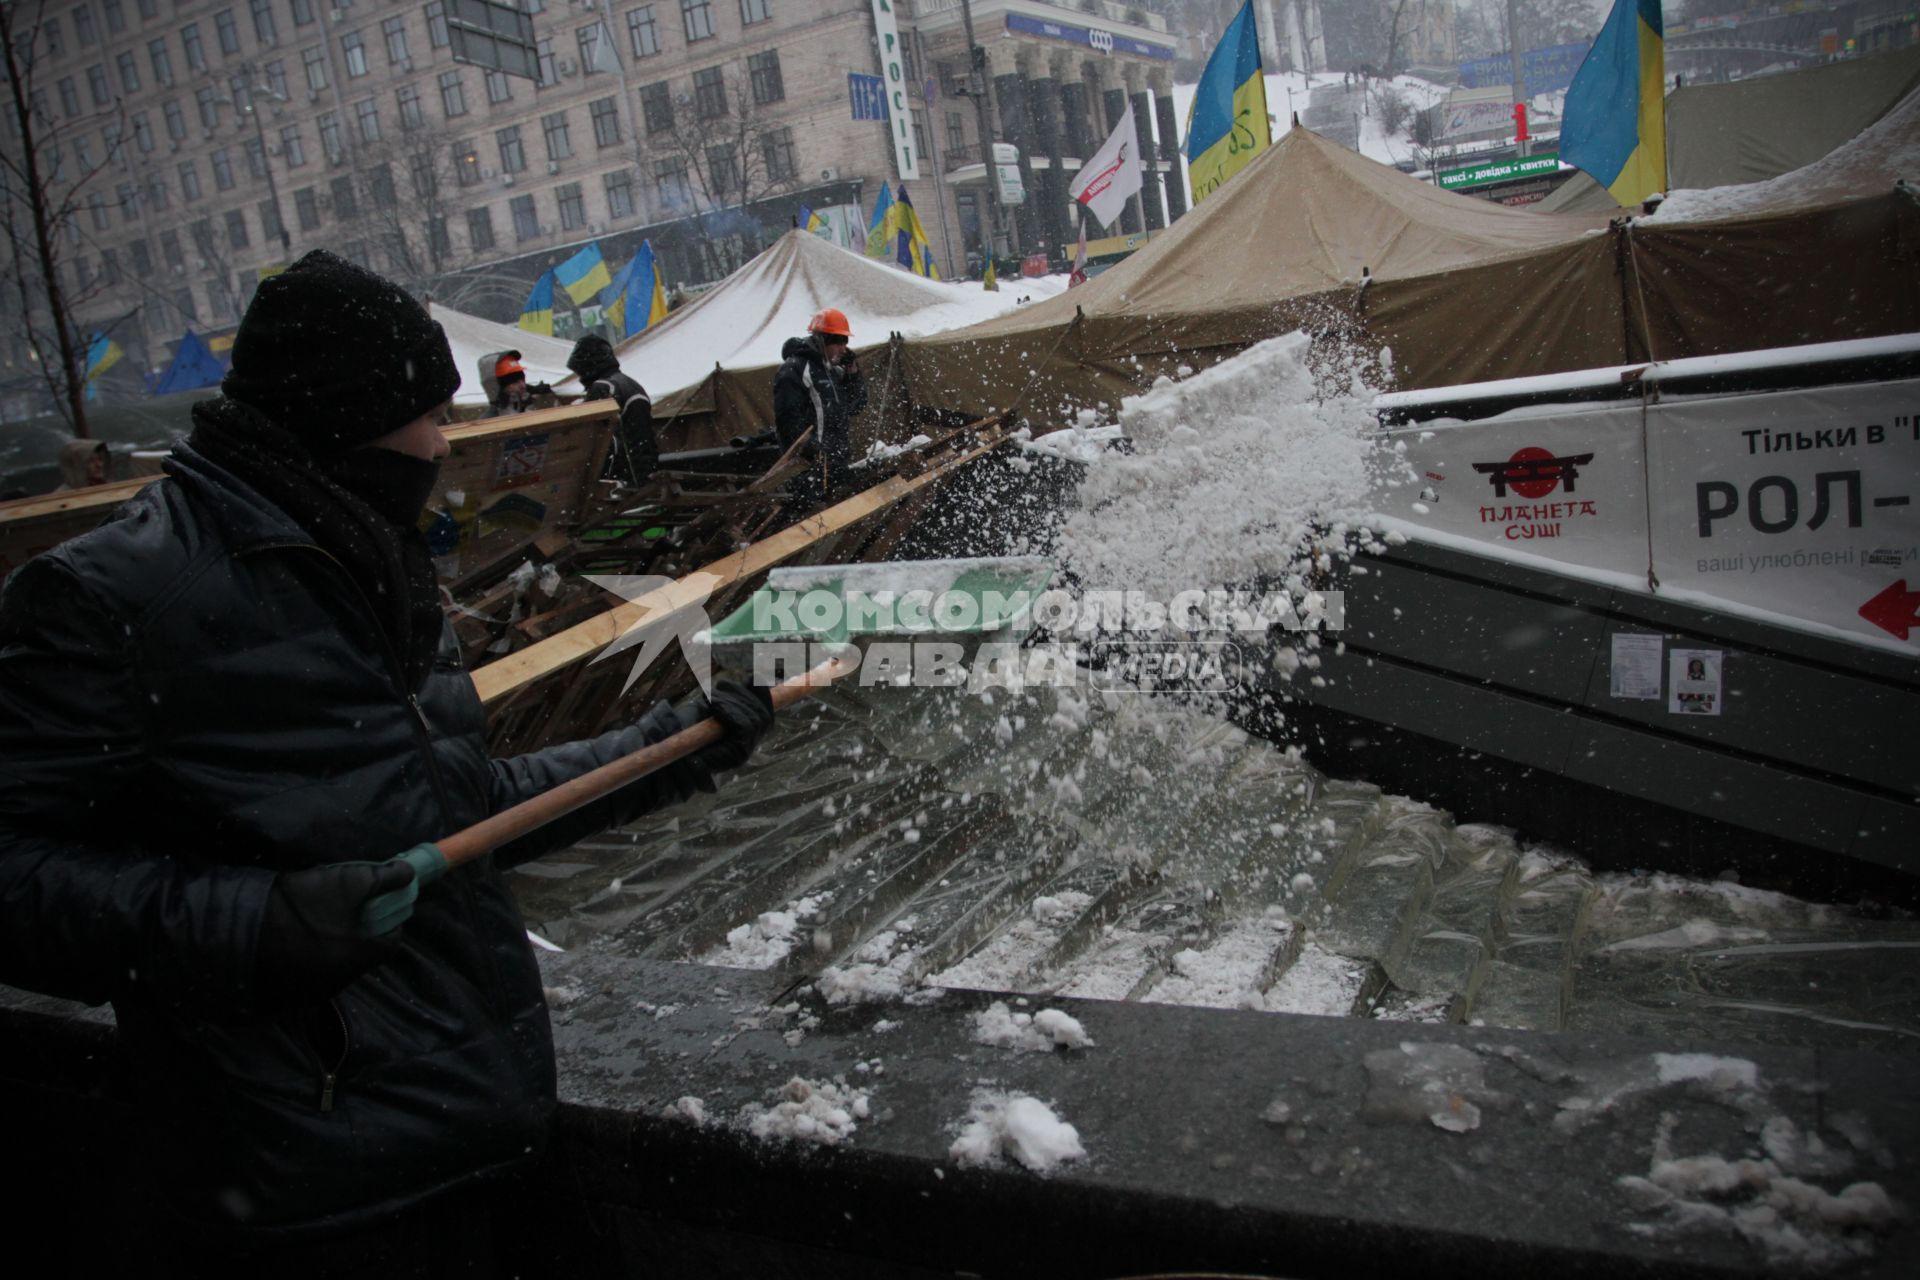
[[214, 141]]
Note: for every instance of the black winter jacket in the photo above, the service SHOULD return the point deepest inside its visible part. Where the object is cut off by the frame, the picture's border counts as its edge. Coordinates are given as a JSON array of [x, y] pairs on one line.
[[193, 698], [807, 392]]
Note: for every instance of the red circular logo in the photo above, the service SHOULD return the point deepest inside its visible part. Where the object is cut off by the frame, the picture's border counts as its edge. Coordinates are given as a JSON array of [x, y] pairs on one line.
[[1545, 479]]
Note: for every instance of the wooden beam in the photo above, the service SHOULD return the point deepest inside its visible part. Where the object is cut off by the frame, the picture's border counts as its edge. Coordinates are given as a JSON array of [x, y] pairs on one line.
[[514, 424], [516, 671]]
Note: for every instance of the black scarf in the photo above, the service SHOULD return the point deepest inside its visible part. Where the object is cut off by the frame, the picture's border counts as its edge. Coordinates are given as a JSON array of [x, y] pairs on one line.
[[387, 561]]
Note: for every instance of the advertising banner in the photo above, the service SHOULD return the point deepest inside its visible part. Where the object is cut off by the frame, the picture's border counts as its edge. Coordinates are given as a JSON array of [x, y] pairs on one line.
[[893, 70], [1801, 503]]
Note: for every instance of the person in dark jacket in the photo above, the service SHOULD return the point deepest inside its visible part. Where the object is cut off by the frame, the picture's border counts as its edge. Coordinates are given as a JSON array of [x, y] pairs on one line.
[[635, 451], [250, 660], [820, 385]]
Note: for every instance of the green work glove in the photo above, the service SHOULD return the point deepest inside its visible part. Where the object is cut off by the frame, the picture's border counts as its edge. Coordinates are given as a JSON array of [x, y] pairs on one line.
[[385, 912]]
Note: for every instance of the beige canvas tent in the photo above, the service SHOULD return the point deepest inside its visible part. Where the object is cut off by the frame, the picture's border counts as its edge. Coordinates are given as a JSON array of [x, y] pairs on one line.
[[1459, 290]]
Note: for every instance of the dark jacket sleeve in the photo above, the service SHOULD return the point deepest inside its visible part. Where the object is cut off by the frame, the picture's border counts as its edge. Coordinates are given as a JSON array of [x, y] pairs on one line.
[[83, 914], [523, 777], [792, 408], [636, 434]]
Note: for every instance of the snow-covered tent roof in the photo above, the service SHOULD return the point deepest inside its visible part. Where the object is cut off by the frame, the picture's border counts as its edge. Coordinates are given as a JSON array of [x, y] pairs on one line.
[[742, 321], [471, 337], [1749, 130], [1305, 215]]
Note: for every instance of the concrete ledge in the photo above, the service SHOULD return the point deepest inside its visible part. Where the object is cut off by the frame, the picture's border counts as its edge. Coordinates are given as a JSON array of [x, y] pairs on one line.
[[1190, 1164]]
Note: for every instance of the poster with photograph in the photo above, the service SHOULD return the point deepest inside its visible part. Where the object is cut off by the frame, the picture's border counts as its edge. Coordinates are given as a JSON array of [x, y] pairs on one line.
[[1693, 681]]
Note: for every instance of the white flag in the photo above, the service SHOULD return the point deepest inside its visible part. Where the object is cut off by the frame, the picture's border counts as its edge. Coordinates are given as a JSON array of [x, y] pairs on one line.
[[1105, 182], [604, 58]]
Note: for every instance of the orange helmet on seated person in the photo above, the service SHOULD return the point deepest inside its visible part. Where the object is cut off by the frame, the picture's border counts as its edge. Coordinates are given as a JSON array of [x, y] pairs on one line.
[[832, 322], [508, 366]]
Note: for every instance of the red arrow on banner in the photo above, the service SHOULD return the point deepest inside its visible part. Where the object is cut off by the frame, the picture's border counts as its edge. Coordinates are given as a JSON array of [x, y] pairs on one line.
[[1895, 610]]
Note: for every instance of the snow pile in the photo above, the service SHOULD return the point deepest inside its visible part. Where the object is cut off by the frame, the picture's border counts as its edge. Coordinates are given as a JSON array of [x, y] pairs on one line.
[[686, 1110], [1002, 1028], [1240, 472], [766, 941], [1004, 962], [1443, 1084], [821, 1111], [878, 970], [1018, 1126], [1794, 1222], [1084, 441]]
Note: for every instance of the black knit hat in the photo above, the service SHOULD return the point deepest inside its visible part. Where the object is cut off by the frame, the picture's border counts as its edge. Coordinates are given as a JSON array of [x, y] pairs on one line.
[[338, 356], [592, 356]]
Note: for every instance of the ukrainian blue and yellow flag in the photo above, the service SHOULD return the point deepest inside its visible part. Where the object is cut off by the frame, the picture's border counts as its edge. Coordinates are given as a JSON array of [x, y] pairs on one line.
[[912, 249], [1227, 125], [102, 354], [883, 228], [813, 224], [1614, 124], [584, 274], [639, 294], [537, 315]]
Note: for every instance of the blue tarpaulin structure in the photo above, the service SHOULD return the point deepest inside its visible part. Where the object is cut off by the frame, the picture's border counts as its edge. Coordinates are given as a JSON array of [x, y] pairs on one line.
[[194, 366]]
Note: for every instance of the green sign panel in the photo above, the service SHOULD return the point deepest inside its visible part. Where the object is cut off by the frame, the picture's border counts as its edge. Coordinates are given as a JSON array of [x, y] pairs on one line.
[[1480, 175]]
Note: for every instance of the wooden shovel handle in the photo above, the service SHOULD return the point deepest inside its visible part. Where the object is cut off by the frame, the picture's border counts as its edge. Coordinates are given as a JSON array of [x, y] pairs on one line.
[[529, 815]]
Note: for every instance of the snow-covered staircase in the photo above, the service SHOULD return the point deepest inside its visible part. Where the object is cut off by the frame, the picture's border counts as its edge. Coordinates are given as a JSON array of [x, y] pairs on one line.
[[1125, 849]]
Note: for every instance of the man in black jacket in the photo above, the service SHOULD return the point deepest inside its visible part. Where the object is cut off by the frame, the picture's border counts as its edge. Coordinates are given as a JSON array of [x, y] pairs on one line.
[[222, 715], [819, 385], [635, 451]]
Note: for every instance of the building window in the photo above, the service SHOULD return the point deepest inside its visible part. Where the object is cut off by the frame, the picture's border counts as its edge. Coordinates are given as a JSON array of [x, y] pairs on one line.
[[129, 197], [380, 192], [764, 69], [256, 158], [315, 61], [306, 209], [696, 16], [526, 225], [97, 85], [161, 61], [366, 118], [142, 257], [69, 97], [237, 229], [710, 93], [752, 11], [670, 183], [548, 67], [573, 207], [83, 32], [270, 228], [209, 105], [409, 99], [559, 137], [499, 87], [453, 94], [420, 174], [395, 31], [240, 89], [479, 229], [346, 206], [956, 132], [723, 171], [277, 78], [228, 32], [129, 72], [332, 145], [110, 138], [116, 15], [606, 121], [176, 119], [656, 104], [302, 13], [437, 24], [51, 29], [222, 170], [439, 243], [263, 29], [143, 132], [776, 150], [157, 194], [183, 298], [619, 194], [189, 181], [643, 32], [191, 46], [292, 149], [513, 156], [110, 267], [170, 251], [588, 39], [466, 163], [355, 50]]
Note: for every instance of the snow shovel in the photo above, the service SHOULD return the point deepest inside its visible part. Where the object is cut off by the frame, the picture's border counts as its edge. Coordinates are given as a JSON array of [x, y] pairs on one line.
[[385, 912]]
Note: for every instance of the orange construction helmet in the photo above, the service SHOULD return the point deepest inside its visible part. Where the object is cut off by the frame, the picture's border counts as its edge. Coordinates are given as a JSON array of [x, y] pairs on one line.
[[507, 366], [831, 321]]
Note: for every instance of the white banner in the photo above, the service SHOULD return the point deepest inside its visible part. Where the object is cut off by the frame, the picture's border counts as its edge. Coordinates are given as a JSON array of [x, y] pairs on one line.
[[1801, 503], [893, 69], [1110, 178], [1568, 487], [1797, 506]]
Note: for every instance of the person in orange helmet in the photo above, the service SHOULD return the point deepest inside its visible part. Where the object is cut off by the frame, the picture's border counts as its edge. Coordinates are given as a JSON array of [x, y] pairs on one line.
[[820, 385], [512, 393]]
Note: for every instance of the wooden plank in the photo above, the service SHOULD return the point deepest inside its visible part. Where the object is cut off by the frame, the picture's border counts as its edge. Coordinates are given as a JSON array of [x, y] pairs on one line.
[[498, 679], [533, 420]]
